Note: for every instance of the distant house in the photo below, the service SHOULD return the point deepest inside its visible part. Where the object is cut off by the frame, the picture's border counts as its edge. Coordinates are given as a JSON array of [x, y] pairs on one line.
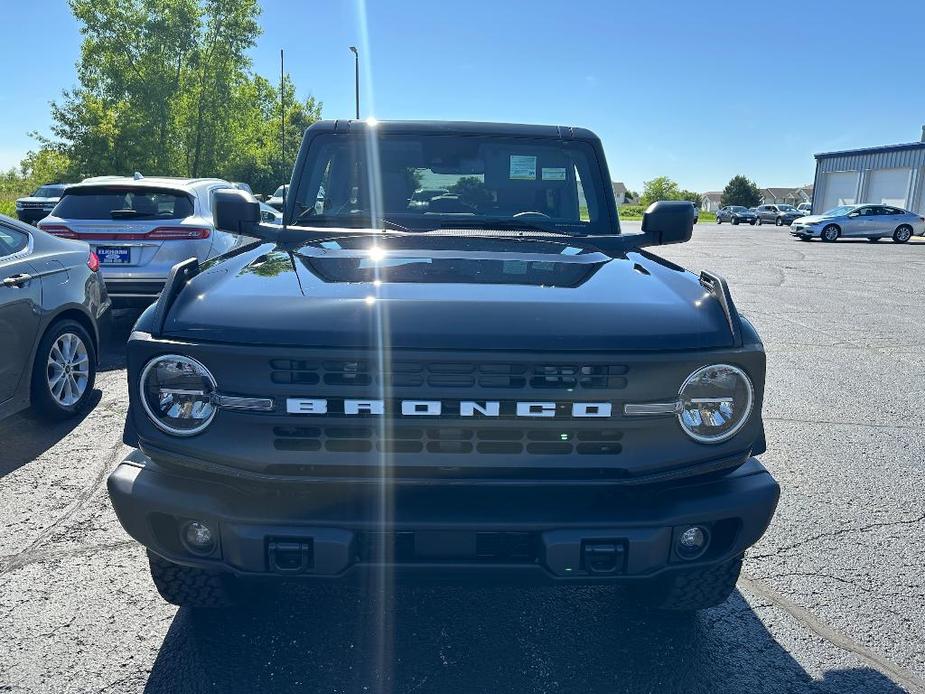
[[619, 192], [710, 202], [786, 196]]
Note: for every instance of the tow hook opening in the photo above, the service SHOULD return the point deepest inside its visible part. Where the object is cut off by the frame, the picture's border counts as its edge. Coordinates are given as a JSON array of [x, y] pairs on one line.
[[601, 557], [290, 556]]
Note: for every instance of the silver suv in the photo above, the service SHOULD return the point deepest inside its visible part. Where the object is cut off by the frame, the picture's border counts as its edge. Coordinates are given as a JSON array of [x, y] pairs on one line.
[[140, 228]]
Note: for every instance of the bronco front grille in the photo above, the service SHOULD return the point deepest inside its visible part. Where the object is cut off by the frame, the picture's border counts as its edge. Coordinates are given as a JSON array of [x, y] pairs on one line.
[[418, 374], [461, 440]]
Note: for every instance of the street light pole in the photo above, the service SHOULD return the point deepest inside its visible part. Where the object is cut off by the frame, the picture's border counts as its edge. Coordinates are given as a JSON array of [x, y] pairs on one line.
[[356, 66]]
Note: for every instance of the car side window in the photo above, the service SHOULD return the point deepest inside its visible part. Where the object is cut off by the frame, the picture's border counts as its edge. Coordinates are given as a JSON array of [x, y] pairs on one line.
[[12, 241]]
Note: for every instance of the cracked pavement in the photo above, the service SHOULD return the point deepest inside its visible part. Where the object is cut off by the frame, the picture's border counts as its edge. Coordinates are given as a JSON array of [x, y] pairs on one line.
[[832, 598]]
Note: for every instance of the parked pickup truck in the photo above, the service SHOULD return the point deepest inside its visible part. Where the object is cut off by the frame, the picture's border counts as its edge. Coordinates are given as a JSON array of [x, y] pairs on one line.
[[492, 382]]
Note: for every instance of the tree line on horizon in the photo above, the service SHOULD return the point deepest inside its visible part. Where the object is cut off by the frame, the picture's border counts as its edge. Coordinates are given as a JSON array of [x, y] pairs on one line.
[[739, 191]]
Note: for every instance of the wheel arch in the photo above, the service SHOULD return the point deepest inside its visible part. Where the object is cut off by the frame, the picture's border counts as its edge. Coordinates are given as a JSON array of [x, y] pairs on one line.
[[73, 312]]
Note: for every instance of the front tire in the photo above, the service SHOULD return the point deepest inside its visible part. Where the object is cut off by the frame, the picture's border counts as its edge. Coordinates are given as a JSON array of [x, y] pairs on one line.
[[64, 371], [691, 589], [735, 221], [830, 233], [752, 222], [902, 234], [779, 221], [187, 586]]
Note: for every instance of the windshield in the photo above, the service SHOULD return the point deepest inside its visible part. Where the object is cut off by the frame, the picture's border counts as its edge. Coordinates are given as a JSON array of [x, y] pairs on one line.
[[113, 202], [48, 192], [423, 182], [786, 208], [279, 191], [838, 211], [737, 209]]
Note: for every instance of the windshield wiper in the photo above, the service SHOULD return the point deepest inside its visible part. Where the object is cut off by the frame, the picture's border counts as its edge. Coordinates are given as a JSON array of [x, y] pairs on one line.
[[351, 222], [502, 225]]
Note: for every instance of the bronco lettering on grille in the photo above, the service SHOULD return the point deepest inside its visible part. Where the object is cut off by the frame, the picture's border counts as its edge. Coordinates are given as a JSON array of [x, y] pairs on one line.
[[435, 408]]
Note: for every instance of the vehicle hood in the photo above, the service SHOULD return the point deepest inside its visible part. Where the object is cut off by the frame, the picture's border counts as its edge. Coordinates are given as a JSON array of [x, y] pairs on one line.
[[813, 219], [744, 213], [550, 298]]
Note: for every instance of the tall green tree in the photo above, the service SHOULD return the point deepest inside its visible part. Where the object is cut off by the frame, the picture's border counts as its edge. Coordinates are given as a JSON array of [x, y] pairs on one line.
[[691, 196], [741, 191], [660, 188], [166, 87]]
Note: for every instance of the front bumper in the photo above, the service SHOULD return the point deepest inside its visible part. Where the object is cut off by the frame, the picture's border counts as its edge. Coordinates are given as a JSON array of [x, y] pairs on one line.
[[31, 215], [448, 533]]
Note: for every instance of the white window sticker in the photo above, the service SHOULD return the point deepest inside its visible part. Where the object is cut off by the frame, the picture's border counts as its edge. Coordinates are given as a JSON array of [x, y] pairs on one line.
[[523, 167], [553, 174]]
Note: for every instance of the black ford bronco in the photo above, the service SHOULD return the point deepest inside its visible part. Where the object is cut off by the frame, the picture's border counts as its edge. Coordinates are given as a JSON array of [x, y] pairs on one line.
[[491, 381]]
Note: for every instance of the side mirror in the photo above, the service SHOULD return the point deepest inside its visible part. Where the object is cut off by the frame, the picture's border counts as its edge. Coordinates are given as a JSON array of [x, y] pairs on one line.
[[668, 221], [236, 211]]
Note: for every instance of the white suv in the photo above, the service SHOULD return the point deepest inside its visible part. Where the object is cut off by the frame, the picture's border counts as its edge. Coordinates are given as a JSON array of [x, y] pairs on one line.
[[140, 228]]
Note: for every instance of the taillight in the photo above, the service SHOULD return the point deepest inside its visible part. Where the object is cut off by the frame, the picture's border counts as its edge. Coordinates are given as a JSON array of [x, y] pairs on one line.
[[173, 233], [93, 262], [59, 230]]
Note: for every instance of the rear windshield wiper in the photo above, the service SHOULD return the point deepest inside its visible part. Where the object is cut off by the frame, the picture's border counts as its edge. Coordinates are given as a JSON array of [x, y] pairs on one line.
[[130, 214]]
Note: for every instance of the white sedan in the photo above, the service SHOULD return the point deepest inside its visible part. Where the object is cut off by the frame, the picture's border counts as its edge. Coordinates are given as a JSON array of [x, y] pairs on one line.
[[871, 222]]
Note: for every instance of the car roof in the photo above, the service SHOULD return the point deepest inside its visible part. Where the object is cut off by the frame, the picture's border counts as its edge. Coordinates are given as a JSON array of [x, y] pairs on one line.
[[169, 182], [442, 127]]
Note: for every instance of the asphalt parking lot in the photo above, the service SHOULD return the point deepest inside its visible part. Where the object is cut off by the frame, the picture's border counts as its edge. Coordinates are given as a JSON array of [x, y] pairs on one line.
[[831, 600]]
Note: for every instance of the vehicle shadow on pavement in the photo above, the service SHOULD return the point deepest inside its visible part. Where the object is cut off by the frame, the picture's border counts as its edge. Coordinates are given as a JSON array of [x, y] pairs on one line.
[[495, 639], [25, 437]]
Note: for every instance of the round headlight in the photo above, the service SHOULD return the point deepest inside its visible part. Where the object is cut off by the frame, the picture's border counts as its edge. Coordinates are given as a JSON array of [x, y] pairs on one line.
[[715, 402], [176, 392]]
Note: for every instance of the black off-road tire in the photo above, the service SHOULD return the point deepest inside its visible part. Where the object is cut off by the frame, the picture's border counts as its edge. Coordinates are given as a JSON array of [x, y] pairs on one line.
[[691, 589], [188, 586], [43, 403]]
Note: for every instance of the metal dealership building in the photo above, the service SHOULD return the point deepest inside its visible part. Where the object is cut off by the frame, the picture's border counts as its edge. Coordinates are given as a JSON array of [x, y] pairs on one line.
[[892, 175]]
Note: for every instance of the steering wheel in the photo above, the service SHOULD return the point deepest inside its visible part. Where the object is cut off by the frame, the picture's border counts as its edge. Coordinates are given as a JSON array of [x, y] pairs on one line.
[[532, 213]]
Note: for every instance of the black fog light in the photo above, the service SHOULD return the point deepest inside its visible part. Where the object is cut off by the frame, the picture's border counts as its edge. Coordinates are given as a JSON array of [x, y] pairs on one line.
[[198, 537], [692, 541]]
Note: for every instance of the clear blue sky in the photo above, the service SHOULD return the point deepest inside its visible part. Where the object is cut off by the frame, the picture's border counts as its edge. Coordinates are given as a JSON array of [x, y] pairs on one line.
[[698, 91]]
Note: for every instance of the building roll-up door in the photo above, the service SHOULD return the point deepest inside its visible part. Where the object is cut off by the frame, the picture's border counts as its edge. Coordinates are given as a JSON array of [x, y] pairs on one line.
[[889, 186], [839, 188]]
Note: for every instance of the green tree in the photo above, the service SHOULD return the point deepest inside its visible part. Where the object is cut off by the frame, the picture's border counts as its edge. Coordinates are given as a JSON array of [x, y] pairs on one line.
[[741, 191], [166, 87], [691, 196], [661, 188]]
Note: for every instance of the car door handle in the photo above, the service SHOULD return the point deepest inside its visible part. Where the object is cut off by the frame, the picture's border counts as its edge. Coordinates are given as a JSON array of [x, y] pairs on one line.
[[16, 280]]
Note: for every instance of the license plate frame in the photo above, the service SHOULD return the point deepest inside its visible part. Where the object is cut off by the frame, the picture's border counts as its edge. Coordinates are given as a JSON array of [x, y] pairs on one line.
[[114, 255]]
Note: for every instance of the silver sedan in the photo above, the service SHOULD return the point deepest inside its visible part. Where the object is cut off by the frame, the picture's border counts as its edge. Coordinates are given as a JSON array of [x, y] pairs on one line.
[[871, 222]]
